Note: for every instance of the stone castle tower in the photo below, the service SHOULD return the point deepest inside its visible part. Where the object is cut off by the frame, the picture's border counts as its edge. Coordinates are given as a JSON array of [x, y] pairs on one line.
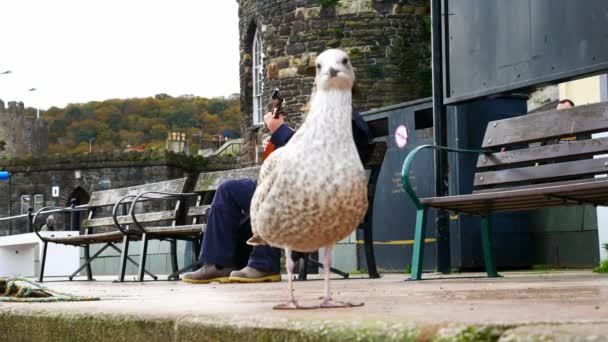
[[388, 43], [21, 134]]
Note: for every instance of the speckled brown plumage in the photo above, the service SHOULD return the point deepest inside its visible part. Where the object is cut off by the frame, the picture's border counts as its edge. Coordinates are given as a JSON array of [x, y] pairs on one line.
[[312, 192]]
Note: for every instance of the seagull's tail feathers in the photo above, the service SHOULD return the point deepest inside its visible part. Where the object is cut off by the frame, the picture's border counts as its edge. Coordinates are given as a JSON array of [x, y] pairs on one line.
[[256, 240]]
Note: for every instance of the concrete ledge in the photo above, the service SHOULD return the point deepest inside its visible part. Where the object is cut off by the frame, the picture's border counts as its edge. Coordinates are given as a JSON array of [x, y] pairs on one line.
[[49, 326], [522, 306]]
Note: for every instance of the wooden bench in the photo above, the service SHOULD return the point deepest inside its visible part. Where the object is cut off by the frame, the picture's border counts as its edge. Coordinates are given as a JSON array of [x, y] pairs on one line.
[[204, 190], [104, 224], [208, 182], [521, 166]]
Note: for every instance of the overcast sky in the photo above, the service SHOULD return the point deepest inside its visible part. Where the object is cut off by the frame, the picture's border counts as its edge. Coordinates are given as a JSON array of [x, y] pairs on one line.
[[75, 51]]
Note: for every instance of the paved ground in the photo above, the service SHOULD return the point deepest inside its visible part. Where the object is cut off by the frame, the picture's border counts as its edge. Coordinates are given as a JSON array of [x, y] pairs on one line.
[[521, 305]]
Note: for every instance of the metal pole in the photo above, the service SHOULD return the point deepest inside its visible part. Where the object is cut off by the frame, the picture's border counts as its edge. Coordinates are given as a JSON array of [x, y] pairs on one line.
[[10, 204], [440, 136]]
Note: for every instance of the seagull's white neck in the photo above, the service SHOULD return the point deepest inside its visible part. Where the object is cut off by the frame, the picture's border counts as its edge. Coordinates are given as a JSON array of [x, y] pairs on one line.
[[331, 110], [328, 122]]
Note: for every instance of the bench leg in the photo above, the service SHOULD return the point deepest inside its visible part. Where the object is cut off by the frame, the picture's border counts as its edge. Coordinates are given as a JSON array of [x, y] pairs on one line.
[[124, 254], [174, 267], [88, 261], [43, 263], [87, 257], [142, 257], [370, 258], [419, 235], [487, 247], [132, 261], [303, 267], [331, 269], [196, 251]]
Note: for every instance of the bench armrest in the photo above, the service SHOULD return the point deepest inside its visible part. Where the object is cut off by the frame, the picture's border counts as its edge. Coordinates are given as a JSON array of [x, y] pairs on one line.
[[49, 210], [145, 195], [405, 171]]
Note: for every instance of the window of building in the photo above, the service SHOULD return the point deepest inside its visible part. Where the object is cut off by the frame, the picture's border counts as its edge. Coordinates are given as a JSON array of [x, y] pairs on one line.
[[38, 202], [258, 73], [26, 202]]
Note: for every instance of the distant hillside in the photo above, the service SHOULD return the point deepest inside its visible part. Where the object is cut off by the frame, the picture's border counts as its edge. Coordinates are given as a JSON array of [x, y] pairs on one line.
[[116, 123]]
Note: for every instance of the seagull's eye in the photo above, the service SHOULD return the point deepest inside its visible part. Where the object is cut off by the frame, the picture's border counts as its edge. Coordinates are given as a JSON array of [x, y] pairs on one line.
[[345, 61], [318, 66]]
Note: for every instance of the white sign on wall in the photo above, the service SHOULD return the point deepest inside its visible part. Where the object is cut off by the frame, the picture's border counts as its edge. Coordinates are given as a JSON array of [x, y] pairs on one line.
[[55, 191], [401, 136]]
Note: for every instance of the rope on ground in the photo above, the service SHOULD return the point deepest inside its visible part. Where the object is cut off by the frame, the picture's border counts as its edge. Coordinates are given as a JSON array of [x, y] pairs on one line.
[[25, 290]]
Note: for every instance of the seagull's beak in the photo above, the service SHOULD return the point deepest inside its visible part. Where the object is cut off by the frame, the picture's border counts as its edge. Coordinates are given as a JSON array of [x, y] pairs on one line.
[[332, 72]]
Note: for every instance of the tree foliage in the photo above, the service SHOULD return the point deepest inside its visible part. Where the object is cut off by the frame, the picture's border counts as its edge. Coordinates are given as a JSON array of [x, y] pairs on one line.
[[114, 124]]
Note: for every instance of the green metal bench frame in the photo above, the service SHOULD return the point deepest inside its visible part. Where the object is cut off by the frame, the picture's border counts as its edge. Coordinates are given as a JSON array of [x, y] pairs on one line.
[[421, 215]]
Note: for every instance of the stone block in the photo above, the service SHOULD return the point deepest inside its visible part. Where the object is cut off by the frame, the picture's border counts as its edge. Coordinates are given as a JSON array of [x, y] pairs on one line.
[[288, 72], [295, 49], [272, 71], [346, 7]]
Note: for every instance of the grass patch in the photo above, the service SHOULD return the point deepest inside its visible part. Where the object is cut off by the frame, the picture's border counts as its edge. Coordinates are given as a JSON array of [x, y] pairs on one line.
[[540, 267], [602, 268]]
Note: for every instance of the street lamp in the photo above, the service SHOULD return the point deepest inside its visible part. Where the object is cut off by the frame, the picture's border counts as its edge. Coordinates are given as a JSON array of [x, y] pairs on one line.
[[91, 145]]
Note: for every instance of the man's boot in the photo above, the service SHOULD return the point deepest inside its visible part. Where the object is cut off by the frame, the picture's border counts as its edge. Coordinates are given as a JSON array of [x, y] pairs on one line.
[[207, 274], [252, 275]]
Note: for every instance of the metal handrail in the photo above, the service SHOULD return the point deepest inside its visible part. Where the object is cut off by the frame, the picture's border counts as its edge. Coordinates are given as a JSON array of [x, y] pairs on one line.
[[405, 171], [45, 212]]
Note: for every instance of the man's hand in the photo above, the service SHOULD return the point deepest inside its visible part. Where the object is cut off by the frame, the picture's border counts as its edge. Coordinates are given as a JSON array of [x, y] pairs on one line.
[[266, 142], [272, 123]]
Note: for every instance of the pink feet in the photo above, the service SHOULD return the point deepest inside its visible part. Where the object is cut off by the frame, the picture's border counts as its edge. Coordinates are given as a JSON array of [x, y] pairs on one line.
[[293, 305], [329, 303]]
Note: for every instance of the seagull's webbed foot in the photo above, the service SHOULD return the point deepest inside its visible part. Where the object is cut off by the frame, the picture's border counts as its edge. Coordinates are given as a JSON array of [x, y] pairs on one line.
[[328, 303], [293, 305]]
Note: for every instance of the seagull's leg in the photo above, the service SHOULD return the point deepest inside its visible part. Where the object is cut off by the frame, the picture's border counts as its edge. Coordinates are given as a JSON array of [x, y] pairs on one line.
[[328, 302], [292, 303]]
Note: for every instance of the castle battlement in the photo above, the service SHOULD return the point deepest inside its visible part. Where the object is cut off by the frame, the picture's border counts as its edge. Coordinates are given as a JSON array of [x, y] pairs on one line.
[[22, 134], [12, 107]]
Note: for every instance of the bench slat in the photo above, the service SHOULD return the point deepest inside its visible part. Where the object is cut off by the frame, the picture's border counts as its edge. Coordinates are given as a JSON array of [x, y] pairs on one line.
[[547, 125], [109, 197], [540, 153], [198, 210], [595, 192], [185, 230], [542, 172], [127, 219], [534, 186], [76, 240], [209, 181]]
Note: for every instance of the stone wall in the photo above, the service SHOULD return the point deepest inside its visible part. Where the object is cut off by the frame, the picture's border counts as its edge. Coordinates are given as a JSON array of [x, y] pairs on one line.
[[20, 132], [388, 43], [78, 176]]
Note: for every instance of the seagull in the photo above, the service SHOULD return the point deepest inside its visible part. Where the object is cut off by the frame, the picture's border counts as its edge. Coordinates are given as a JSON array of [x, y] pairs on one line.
[[312, 192]]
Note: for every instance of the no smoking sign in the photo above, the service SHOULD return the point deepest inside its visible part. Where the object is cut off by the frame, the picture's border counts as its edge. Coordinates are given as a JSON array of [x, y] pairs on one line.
[[401, 136]]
